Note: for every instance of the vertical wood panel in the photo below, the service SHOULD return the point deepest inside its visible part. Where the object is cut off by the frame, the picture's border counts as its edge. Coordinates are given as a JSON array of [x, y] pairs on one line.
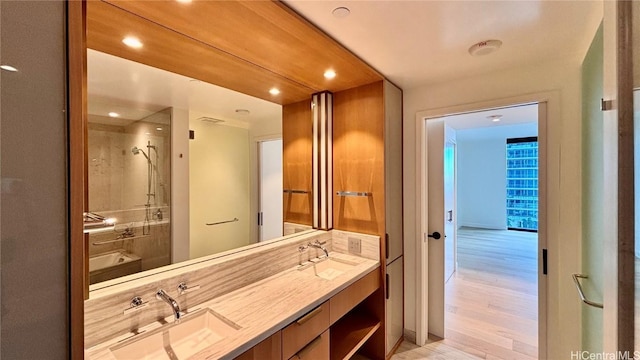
[[296, 158], [77, 110], [358, 159], [626, 205], [358, 165]]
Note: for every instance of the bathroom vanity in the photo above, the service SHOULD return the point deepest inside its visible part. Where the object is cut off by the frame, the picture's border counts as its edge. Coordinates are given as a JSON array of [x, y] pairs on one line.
[[310, 306]]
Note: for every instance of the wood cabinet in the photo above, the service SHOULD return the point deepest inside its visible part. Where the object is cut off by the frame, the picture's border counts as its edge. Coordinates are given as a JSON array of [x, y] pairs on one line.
[[347, 299], [296, 163], [303, 331], [367, 160], [393, 171], [317, 349], [271, 348], [394, 297], [394, 288], [335, 330]]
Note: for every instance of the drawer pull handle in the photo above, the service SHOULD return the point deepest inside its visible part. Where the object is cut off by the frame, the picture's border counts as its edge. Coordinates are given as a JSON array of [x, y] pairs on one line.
[[305, 350], [308, 317]]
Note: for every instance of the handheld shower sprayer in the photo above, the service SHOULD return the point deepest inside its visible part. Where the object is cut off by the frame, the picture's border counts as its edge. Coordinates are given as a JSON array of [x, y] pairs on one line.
[[136, 150]]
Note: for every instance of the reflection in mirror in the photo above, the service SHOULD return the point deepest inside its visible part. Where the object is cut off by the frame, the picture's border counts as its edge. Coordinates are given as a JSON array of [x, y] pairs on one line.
[[129, 181], [153, 134]]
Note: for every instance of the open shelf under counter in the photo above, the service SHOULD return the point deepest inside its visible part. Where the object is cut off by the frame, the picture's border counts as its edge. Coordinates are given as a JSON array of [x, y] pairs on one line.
[[350, 333]]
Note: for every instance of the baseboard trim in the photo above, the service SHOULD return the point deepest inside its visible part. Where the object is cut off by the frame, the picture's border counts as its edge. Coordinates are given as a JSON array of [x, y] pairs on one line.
[[410, 335]]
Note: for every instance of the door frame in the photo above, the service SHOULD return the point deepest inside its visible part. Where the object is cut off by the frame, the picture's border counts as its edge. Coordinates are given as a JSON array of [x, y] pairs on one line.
[[549, 208]]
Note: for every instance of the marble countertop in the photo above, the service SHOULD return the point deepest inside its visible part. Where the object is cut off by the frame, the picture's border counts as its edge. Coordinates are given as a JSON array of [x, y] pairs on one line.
[[260, 309]]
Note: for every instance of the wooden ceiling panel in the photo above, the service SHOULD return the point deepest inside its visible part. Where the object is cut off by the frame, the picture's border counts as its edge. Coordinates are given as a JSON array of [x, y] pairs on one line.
[[265, 33], [169, 50]]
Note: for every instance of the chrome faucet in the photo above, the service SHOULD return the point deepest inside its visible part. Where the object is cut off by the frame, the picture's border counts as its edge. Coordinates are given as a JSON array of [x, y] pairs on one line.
[[318, 245], [161, 295]]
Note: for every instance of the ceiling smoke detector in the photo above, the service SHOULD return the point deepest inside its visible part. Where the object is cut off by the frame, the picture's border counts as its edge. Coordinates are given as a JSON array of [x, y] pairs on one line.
[[341, 12], [485, 47], [210, 120]]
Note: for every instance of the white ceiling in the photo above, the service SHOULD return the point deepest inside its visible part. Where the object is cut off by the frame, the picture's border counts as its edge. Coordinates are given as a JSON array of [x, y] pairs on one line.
[[516, 121], [418, 42], [135, 91], [514, 115]]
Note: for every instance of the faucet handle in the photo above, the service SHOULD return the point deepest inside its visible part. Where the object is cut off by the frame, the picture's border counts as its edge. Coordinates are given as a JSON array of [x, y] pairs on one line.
[[135, 305], [183, 288], [318, 242]]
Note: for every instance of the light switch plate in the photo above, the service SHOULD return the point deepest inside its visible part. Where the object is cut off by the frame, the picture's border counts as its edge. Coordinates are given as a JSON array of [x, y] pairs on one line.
[[354, 245]]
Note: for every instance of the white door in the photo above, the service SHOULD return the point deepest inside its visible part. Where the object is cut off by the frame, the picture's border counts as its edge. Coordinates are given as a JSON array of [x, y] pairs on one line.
[[270, 215], [449, 203], [435, 237]]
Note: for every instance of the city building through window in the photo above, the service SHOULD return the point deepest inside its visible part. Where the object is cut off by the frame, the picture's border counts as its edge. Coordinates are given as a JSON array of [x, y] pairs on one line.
[[522, 184]]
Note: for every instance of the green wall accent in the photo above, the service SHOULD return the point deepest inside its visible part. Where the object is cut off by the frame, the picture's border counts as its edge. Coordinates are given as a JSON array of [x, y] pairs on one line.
[[592, 193]]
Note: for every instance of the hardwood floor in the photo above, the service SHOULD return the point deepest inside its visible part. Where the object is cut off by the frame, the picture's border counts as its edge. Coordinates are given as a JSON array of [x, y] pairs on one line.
[[491, 300]]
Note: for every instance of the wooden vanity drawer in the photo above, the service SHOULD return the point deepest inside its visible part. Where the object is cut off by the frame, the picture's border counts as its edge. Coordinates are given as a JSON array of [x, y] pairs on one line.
[[268, 349], [317, 349], [348, 298], [304, 330]]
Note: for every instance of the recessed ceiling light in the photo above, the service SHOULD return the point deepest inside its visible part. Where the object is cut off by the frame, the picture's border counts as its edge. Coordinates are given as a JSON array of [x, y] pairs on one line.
[[494, 118], [184, 1], [341, 12], [159, 128], [485, 47], [8, 68], [243, 111], [274, 91], [133, 42], [147, 133], [114, 114], [329, 74]]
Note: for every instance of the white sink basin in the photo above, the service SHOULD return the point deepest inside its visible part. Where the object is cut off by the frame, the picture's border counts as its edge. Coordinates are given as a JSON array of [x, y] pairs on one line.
[[327, 268], [192, 334]]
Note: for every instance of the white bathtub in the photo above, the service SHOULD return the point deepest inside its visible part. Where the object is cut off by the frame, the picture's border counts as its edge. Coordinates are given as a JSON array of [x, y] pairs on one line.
[[113, 264]]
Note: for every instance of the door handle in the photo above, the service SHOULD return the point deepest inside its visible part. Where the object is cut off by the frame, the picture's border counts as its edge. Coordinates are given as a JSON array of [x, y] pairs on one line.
[[581, 292], [436, 235], [450, 216]]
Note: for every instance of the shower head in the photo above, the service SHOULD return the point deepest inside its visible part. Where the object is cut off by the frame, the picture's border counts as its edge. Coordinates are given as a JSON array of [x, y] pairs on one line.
[[136, 150]]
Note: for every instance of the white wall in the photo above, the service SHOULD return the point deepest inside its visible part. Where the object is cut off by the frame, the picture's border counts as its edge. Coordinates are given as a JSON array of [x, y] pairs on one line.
[[218, 187], [481, 184], [482, 179], [562, 80]]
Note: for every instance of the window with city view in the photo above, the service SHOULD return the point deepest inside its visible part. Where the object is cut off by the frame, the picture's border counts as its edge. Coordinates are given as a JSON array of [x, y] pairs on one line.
[[522, 184]]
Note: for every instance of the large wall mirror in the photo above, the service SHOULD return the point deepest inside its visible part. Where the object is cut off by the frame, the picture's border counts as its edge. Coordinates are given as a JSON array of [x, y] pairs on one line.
[[246, 174], [232, 150], [185, 168]]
